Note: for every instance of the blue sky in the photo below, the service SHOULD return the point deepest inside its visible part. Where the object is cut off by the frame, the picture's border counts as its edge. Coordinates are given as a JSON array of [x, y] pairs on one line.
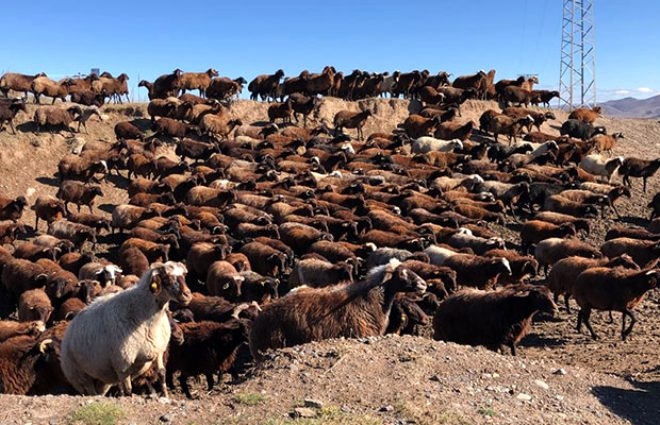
[[246, 38]]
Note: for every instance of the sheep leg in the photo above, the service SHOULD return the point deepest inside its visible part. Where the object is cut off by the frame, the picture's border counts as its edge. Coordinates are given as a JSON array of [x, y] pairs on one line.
[[210, 382], [567, 296], [184, 385], [625, 332], [583, 315], [512, 345], [644, 181], [11, 124]]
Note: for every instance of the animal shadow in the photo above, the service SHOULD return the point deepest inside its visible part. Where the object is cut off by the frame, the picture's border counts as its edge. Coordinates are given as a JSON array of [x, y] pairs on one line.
[[638, 405], [107, 208], [49, 181]]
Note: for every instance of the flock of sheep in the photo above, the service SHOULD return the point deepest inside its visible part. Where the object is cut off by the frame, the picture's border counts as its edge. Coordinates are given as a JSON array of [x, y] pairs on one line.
[[256, 236]]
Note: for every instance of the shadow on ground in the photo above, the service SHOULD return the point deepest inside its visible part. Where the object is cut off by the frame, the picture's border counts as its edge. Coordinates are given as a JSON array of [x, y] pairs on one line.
[[640, 406]]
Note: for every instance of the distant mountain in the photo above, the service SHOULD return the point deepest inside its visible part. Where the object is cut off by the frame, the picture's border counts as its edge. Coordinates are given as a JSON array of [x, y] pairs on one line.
[[630, 107]]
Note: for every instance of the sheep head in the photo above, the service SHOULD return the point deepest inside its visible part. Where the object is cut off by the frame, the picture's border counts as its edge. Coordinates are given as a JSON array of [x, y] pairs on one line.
[[167, 281]]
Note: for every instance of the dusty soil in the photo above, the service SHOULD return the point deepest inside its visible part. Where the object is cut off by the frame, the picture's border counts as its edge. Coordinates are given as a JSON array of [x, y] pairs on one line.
[[559, 376]]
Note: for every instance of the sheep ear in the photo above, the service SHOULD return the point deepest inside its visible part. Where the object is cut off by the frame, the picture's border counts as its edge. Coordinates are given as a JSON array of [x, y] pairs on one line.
[[156, 283]]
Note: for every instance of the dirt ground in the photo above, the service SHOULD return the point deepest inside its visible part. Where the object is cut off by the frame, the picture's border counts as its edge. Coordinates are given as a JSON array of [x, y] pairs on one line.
[[558, 377]]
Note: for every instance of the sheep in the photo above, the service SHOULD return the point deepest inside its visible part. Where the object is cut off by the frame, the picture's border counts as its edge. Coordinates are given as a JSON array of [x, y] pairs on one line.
[[637, 167], [560, 204], [78, 193], [616, 289], [550, 250], [8, 112], [127, 130], [612, 192], [655, 211], [265, 85], [463, 238], [47, 208], [100, 349], [586, 115], [503, 124], [126, 216], [475, 81], [559, 218], [561, 278], [85, 115], [642, 252], [605, 142], [308, 314], [12, 209], [170, 127], [280, 110], [417, 126], [197, 80], [208, 348], [476, 271], [133, 261], [631, 232], [164, 86], [454, 130], [11, 328], [300, 236], [201, 255], [218, 127], [491, 319], [426, 144], [75, 232], [31, 251], [105, 274], [17, 82], [34, 305], [75, 167], [302, 104], [55, 117], [534, 231], [188, 148], [599, 166], [521, 266], [222, 279], [153, 251], [315, 272], [538, 117], [580, 130], [44, 85], [10, 230], [20, 275], [350, 119], [543, 96]]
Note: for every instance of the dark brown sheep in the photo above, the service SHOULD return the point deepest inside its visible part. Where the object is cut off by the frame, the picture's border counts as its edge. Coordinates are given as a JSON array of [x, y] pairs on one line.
[[637, 167], [12, 328], [354, 311], [79, 193], [34, 305], [350, 119], [491, 319]]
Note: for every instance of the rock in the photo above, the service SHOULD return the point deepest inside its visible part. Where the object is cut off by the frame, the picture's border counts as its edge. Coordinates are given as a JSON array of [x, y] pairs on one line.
[[524, 397], [560, 372], [541, 384], [387, 408], [164, 418], [302, 412], [314, 404]]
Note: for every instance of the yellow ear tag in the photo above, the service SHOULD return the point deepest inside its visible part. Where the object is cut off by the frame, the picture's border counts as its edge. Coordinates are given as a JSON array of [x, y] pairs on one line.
[[154, 286]]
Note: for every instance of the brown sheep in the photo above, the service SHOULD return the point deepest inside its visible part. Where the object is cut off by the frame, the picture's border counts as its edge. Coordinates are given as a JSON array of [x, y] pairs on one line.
[[642, 252], [11, 328], [47, 208], [218, 127], [153, 251], [561, 278], [34, 305], [45, 86], [476, 271], [56, 117], [20, 275], [559, 218], [491, 319], [616, 289], [605, 142], [12, 209], [10, 230], [637, 167], [8, 112], [79, 193], [133, 261], [223, 280], [265, 259], [350, 119], [201, 255], [17, 82], [534, 231], [316, 272], [549, 251], [522, 266], [417, 126], [283, 111], [265, 86], [307, 314], [197, 80], [126, 216], [503, 124], [586, 115]]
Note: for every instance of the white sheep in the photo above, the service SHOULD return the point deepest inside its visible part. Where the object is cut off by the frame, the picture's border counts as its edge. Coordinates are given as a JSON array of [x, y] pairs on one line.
[[601, 166], [438, 254], [120, 335], [427, 144]]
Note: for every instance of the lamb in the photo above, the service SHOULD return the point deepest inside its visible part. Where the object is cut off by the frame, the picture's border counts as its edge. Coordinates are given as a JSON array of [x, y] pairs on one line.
[[307, 314], [350, 119], [11, 328], [559, 218], [85, 115], [99, 349], [426, 144], [78, 193], [34, 305], [8, 112], [586, 115], [534, 231], [580, 130], [222, 279], [197, 80], [316, 273], [616, 289], [549, 251], [491, 319], [283, 111], [56, 117], [208, 348], [476, 271], [561, 278], [642, 252], [637, 167], [599, 166]]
